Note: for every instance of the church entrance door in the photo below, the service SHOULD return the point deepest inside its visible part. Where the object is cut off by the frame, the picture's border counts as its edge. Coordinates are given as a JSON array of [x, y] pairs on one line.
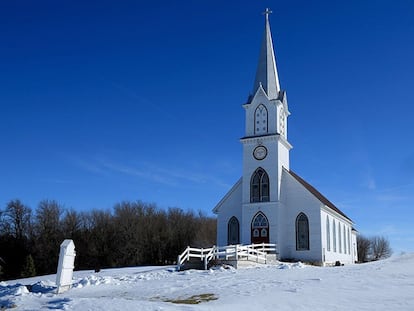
[[260, 229]]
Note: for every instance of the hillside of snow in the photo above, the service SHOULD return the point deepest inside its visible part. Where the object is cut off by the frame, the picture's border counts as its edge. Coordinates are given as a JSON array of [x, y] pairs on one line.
[[383, 285]]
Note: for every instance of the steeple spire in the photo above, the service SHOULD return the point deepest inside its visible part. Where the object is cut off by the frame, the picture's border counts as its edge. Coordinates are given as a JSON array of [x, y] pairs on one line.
[[266, 73]]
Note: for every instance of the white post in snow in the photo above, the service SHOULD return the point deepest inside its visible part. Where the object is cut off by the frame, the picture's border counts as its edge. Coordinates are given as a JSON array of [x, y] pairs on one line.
[[65, 266]]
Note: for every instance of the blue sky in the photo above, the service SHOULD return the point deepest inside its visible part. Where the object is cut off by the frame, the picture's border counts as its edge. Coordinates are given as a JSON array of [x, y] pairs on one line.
[[104, 101]]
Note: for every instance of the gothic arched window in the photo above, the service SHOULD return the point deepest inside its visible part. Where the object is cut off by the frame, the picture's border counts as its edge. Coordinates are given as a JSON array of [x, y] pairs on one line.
[[339, 238], [260, 221], [260, 120], [259, 186], [334, 235], [233, 231], [328, 235], [302, 232]]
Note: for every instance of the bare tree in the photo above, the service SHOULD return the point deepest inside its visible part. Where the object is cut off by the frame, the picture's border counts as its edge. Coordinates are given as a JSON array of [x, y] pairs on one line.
[[363, 245], [1, 267], [71, 224], [373, 248], [380, 248], [17, 218], [206, 231], [102, 239], [130, 224], [48, 235], [15, 236]]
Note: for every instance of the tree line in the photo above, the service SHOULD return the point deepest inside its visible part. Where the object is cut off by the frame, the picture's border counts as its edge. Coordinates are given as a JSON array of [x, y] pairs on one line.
[[373, 248], [131, 234]]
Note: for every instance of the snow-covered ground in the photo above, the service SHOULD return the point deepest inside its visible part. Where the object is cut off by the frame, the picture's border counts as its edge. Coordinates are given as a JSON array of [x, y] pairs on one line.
[[383, 285]]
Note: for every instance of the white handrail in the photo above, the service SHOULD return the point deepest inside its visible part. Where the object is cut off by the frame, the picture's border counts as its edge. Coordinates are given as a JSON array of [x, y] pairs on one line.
[[252, 252]]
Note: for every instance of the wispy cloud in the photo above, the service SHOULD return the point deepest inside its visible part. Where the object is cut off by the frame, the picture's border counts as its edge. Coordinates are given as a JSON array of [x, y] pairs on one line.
[[88, 165], [149, 171], [144, 172]]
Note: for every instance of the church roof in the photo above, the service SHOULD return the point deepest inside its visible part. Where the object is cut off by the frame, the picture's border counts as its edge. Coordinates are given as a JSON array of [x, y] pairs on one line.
[[266, 73], [318, 195]]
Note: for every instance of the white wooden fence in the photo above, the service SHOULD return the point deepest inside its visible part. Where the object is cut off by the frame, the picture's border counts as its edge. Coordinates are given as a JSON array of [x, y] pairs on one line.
[[253, 252]]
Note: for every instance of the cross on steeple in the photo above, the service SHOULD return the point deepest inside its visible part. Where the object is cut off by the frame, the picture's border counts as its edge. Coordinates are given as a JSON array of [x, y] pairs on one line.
[[267, 12]]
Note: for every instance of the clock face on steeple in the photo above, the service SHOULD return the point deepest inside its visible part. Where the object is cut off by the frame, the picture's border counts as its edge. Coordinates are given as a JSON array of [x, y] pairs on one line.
[[260, 152]]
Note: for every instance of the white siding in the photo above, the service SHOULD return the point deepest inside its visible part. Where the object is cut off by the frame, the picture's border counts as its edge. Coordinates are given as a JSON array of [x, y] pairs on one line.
[[344, 254], [230, 206], [298, 199], [270, 210]]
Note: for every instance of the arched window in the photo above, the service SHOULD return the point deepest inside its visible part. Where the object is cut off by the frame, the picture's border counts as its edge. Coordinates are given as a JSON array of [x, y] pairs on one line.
[[259, 186], [334, 235], [260, 229], [302, 232], [260, 120], [328, 235], [260, 221], [349, 241], [233, 231], [339, 237]]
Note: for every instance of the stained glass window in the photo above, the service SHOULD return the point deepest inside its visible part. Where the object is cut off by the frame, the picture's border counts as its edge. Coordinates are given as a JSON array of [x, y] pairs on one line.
[[302, 232], [259, 186]]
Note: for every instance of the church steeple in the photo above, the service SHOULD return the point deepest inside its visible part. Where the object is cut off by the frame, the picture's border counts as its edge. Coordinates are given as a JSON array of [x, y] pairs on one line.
[[266, 73]]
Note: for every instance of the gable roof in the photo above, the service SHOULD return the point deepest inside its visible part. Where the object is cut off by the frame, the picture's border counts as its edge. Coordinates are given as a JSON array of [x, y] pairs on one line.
[[228, 194], [317, 194]]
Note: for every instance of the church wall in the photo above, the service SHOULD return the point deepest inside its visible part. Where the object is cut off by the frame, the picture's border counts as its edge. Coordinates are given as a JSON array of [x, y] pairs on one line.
[[354, 251], [250, 164], [283, 161], [298, 200], [270, 210], [344, 254], [230, 207]]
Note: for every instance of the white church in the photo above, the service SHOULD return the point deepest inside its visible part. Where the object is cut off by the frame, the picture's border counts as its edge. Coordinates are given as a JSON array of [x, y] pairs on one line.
[[270, 203]]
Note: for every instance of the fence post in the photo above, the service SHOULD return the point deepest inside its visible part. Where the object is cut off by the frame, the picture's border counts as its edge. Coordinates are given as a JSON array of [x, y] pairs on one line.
[[236, 250], [179, 263]]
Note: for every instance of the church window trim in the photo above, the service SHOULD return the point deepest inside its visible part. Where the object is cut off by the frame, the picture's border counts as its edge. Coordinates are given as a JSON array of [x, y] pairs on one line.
[[260, 221], [328, 235], [259, 186], [261, 114], [345, 242], [302, 232], [233, 231]]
